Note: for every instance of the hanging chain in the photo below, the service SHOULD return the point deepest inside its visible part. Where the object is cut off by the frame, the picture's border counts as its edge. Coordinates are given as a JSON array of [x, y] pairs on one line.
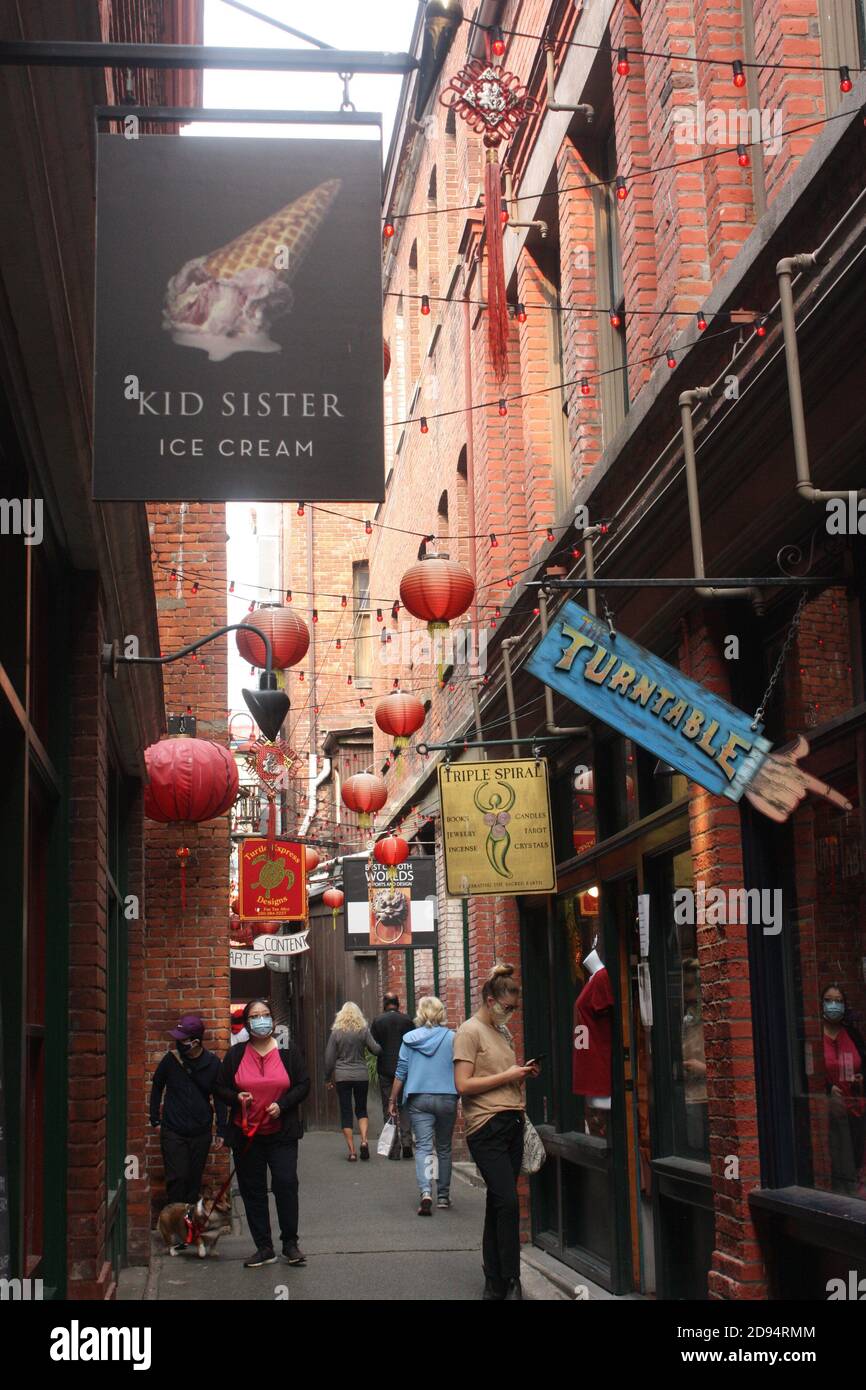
[[786, 647], [608, 617], [346, 104]]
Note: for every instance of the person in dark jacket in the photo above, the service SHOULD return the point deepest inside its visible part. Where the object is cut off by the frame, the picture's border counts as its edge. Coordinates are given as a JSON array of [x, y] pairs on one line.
[[183, 1085], [389, 1030], [264, 1084]]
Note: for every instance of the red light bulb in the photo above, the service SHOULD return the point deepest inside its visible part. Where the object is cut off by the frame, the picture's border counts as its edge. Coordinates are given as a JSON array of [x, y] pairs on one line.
[[672, 361], [845, 83], [585, 387], [368, 527], [497, 41], [743, 157], [343, 601], [493, 541], [315, 615], [615, 319], [761, 328], [621, 188], [622, 63], [425, 304], [503, 213], [388, 230], [739, 74], [702, 321], [425, 428], [521, 313], [503, 406]]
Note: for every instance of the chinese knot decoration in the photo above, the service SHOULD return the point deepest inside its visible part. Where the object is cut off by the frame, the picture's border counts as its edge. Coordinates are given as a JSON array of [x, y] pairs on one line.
[[272, 765], [493, 103]]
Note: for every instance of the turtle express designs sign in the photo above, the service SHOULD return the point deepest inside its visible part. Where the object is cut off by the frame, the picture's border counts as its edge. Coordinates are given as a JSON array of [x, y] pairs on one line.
[[272, 882], [238, 320], [390, 909], [496, 827], [701, 735]]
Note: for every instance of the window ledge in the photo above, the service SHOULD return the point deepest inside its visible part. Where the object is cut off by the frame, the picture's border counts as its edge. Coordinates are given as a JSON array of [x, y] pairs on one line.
[[826, 1212]]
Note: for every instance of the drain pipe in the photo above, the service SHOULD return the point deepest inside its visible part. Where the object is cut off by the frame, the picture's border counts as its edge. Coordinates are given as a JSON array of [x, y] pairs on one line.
[[549, 725], [806, 262], [687, 402], [315, 782], [512, 208], [585, 109], [505, 647]]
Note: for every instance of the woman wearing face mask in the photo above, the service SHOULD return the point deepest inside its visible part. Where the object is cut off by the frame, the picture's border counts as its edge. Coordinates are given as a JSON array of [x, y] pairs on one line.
[[264, 1084], [844, 1063], [183, 1084], [490, 1084]]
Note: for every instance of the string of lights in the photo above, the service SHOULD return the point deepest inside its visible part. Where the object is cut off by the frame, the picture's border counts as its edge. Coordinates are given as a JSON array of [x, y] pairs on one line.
[[622, 182]]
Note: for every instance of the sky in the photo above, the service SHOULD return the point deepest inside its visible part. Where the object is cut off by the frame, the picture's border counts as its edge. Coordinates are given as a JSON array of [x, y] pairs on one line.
[[382, 26]]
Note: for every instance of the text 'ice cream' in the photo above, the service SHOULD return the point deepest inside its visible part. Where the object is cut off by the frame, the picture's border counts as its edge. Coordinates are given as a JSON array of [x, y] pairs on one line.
[[227, 301]]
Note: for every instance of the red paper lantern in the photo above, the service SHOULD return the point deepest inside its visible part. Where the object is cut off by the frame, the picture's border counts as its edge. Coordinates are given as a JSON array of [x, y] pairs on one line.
[[437, 589], [392, 850], [189, 779], [311, 858], [400, 715], [365, 793], [288, 634], [333, 898]]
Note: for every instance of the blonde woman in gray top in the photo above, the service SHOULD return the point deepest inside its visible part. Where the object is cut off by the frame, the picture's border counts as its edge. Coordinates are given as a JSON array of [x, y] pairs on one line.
[[346, 1066]]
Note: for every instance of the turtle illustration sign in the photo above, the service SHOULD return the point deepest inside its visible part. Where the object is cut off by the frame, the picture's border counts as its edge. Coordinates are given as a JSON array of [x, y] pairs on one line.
[[272, 880], [239, 323], [496, 827]]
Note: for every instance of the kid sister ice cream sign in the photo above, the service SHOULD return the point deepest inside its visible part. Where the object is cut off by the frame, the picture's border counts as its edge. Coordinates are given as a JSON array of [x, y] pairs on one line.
[[238, 320]]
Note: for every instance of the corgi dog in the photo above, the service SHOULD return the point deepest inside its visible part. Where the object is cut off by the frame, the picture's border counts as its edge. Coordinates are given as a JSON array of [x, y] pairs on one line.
[[209, 1223]]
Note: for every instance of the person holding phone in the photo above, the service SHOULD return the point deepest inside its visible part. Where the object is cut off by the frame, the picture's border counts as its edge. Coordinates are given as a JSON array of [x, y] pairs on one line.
[[490, 1084], [264, 1084]]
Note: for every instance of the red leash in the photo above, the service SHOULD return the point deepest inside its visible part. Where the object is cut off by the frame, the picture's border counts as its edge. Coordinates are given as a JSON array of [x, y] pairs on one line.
[[193, 1228]]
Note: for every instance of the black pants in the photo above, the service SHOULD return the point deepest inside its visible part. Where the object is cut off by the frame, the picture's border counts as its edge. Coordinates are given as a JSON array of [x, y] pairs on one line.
[[184, 1160], [346, 1090], [497, 1148], [280, 1155]]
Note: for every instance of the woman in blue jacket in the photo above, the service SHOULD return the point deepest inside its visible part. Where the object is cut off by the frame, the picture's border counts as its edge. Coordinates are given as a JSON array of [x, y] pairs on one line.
[[425, 1072]]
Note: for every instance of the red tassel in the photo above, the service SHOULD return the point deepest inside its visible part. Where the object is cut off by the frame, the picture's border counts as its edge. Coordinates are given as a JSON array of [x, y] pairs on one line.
[[497, 306], [272, 824], [182, 857]]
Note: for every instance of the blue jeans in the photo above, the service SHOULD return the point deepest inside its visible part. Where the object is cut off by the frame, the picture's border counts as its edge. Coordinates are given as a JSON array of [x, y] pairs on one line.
[[432, 1116]]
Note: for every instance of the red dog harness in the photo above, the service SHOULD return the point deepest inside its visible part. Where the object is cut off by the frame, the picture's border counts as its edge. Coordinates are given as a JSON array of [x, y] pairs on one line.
[[194, 1229]]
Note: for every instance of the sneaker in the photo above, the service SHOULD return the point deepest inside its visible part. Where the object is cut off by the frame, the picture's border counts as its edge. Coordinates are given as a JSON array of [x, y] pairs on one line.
[[365, 1152], [426, 1207], [293, 1254], [261, 1257], [443, 1203]]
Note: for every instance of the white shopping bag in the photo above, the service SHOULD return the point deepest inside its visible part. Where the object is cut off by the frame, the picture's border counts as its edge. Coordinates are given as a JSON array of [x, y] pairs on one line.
[[388, 1138]]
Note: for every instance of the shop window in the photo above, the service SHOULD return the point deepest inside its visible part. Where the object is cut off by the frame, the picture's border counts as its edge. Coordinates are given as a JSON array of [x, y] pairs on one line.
[[829, 939], [616, 777], [578, 928], [684, 1129], [573, 806]]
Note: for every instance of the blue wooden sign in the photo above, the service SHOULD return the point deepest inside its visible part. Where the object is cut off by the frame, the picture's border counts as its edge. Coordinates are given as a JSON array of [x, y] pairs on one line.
[[649, 701]]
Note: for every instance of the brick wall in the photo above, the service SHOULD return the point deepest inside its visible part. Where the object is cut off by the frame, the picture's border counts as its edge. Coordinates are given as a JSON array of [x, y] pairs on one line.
[[89, 1275], [180, 964]]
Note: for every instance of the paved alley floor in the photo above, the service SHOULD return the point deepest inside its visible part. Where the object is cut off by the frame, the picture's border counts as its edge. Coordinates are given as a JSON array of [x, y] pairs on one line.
[[360, 1233]]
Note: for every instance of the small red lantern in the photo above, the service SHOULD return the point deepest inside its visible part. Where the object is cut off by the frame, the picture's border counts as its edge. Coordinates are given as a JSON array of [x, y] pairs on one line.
[[189, 779], [333, 898], [391, 851], [311, 859], [288, 634], [437, 589], [400, 715], [365, 793]]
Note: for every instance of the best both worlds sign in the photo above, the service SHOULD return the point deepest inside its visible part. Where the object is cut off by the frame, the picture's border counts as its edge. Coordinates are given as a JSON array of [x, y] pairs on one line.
[[694, 730]]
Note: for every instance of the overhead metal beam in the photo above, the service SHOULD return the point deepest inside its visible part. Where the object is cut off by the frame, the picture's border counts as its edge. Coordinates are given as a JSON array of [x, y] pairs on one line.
[[777, 581], [48, 53], [174, 115]]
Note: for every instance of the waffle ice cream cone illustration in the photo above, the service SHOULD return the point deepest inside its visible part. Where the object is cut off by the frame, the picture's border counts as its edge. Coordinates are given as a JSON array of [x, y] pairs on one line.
[[226, 302]]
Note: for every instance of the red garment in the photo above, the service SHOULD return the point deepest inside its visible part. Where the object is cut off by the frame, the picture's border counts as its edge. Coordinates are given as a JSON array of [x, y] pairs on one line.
[[842, 1062], [590, 1073], [267, 1080]]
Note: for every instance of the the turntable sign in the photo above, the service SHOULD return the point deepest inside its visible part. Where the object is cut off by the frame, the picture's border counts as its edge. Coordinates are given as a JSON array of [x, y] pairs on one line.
[[385, 913]]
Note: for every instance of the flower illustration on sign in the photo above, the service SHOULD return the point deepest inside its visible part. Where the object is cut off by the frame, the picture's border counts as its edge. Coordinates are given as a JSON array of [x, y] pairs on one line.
[[495, 804]]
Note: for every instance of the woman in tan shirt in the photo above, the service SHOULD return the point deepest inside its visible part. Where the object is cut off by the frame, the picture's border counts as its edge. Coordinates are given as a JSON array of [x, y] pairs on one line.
[[490, 1084]]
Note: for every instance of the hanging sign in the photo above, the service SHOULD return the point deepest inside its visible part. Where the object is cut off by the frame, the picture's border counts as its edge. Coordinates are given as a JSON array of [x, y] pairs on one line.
[[238, 320], [272, 880], [282, 945], [496, 827], [390, 909], [686, 725]]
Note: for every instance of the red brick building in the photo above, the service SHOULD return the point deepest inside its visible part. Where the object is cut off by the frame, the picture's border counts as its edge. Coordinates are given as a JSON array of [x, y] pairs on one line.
[[718, 1165]]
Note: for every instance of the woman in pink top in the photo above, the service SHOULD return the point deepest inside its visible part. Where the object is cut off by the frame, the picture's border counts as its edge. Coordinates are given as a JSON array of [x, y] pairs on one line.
[[844, 1062], [264, 1084]]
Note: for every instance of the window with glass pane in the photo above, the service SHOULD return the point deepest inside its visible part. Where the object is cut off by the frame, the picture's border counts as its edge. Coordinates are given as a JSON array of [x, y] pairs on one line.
[[584, 1099], [361, 607], [615, 785], [829, 933], [688, 1127]]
